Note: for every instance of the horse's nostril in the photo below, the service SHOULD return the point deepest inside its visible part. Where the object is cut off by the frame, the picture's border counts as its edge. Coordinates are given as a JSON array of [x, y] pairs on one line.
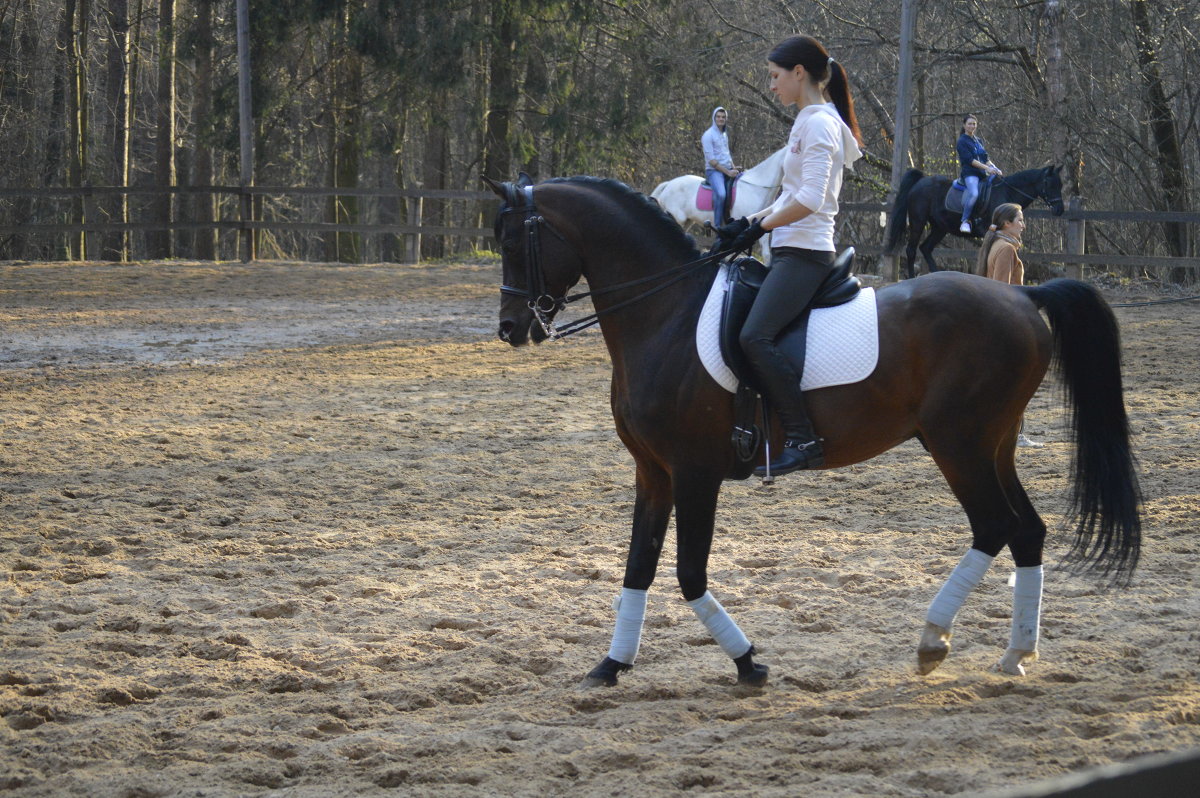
[[506, 330]]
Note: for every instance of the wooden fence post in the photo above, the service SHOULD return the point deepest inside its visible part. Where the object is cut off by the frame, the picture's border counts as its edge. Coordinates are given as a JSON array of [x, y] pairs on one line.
[[414, 239], [1076, 237], [245, 234]]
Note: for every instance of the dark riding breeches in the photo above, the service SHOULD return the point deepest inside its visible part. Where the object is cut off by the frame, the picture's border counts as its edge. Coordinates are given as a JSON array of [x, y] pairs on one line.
[[791, 283]]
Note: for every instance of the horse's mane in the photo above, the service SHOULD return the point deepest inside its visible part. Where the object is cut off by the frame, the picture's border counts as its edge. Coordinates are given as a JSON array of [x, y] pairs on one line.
[[642, 206]]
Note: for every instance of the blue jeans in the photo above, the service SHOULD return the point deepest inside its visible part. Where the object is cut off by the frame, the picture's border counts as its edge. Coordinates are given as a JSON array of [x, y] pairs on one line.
[[969, 196], [716, 179]]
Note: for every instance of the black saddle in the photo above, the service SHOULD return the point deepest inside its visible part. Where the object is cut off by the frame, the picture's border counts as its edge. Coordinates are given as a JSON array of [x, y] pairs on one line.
[[746, 278]]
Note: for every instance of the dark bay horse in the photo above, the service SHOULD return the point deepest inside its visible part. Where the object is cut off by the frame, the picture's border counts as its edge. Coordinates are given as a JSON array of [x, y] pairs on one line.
[[921, 202], [960, 357]]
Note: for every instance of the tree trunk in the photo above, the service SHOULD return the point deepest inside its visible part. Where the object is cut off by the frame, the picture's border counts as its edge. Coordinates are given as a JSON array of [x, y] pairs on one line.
[[1168, 152], [116, 208], [502, 93], [344, 147], [76, 116], [1064, 142], [131, 83], [434, 167], [202, 110], [159, 241]]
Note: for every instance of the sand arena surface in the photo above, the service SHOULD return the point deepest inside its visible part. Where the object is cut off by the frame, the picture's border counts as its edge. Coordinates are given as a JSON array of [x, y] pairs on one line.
[[305, 530]]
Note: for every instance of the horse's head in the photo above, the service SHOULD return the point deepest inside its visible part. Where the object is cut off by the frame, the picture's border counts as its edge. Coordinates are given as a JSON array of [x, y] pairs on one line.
[[539, 267], [1050, 189]]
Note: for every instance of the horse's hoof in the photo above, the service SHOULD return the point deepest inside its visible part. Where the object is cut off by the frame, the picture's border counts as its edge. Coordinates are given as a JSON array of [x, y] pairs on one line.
[[605, 674], [928, 659], [933, 648], [1014, 659], [754, 678]]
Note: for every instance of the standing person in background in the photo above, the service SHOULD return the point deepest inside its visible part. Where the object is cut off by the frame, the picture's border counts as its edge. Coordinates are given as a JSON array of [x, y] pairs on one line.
[[974, 167], [823, 141], [998, 260], [718, 162]]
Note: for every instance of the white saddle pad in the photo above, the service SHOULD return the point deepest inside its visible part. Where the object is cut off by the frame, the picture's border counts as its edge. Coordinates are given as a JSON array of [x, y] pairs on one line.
[[843, 341]]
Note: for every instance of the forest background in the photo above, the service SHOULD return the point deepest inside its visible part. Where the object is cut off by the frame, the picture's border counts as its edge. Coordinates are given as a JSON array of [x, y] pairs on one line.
[[433, 93]]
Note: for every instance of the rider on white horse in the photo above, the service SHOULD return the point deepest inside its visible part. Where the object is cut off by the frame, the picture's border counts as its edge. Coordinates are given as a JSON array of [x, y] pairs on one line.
[[718, 161]]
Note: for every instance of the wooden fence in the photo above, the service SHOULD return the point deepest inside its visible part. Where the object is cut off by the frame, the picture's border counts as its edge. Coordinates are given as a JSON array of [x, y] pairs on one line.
[[249, 221]]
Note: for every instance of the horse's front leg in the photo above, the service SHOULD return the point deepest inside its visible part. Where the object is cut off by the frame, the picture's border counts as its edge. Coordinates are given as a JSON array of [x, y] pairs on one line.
[[695, 513], [651, 512]]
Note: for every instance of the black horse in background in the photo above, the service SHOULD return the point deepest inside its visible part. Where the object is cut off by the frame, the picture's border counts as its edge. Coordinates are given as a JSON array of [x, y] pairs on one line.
[[921, 203]]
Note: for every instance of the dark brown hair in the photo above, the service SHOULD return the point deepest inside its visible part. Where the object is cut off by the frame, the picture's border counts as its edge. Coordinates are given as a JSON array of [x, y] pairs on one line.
[[809, 53]]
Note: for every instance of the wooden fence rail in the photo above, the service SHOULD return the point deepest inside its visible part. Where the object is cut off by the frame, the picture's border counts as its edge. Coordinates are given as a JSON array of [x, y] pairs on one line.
[[1075, 218]]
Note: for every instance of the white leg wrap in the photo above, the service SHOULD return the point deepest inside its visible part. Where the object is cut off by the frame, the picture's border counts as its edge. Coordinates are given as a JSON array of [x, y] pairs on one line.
[[962, 581], [627, 633], [727, 634], [1027, 608]]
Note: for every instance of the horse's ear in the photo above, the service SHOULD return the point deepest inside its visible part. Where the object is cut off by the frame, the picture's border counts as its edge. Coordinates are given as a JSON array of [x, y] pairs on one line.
[[499, 188], [524, 180]]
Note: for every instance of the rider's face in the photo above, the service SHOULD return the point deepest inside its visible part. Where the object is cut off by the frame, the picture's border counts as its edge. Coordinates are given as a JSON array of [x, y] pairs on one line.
[[970, 125], [787, 84]]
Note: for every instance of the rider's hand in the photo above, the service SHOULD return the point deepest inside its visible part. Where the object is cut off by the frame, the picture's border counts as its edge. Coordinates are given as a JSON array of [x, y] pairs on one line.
[[731, 230], [745, 239]]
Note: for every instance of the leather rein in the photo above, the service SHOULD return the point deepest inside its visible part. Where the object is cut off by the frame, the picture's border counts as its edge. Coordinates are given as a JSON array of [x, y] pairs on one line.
[[544, 306]]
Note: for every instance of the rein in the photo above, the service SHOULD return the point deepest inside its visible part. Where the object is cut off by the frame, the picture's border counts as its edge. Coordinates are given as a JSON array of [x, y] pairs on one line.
[[1004, 181], [544, 306]]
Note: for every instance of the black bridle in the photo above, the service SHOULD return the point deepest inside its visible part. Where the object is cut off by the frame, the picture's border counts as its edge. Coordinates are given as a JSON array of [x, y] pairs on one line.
[[544, 305], [1043, 191]]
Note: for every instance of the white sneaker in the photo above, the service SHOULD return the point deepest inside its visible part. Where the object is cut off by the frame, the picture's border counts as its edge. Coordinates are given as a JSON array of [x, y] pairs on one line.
[[965, 227], [1027, 443]]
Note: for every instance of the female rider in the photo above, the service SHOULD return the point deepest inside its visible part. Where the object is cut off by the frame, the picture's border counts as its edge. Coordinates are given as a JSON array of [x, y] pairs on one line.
[[824, 139], [974, 166]]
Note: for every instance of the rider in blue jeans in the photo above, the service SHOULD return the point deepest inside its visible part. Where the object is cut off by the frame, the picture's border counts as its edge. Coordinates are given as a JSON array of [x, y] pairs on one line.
[[718, 162], [975, 167]]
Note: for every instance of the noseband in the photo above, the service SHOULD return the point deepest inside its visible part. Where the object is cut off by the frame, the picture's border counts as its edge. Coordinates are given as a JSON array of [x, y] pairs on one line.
[[544, 305]]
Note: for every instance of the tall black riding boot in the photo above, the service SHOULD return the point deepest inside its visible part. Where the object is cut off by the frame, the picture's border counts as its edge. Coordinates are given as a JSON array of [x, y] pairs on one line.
[[802, 449]]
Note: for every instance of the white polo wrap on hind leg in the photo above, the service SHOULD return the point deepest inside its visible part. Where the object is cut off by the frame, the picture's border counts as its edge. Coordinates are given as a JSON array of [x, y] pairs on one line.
[[967, 574], [1027, 608], [718, 623], [627, 633]]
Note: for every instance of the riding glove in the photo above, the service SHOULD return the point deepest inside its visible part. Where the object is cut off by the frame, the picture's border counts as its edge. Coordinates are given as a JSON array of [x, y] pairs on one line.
[[744, 240], [731, 230]]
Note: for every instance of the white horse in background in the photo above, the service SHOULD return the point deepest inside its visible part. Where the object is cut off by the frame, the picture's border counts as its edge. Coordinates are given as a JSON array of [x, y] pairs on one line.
[[756, 190]]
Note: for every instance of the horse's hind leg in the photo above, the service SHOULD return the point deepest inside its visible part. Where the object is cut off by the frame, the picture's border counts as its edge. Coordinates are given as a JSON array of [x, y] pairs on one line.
[[1026, 548], [983, 482], [910, 251], [651, 512], [936, 234], [695, 512]]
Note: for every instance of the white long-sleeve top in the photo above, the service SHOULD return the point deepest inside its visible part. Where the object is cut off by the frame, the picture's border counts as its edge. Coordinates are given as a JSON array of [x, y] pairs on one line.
[[820, 146]]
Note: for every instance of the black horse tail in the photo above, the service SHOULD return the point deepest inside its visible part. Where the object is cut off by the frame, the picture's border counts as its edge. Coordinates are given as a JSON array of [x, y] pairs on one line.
[[1105, 497], [899, 220]]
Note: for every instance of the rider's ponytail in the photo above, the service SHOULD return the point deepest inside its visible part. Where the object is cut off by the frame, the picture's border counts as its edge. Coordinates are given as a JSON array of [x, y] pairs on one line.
[[828, 74], [839, 93]]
